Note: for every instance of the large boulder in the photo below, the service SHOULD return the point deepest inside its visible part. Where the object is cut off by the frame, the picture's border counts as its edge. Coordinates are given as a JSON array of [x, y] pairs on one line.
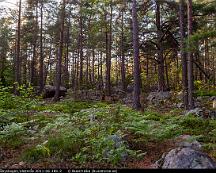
[[202, 112], [186, 158], [157, 97], [119, 92], [188, 141], [197, 111], [49, 91]]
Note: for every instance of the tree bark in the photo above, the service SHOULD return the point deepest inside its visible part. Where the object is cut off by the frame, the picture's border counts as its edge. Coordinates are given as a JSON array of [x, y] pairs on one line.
[[183, 54], [41, 71], [123, 78], [136, 96], [190, 59], [81, 51], [17, 61], [161, 76], [60, 53]]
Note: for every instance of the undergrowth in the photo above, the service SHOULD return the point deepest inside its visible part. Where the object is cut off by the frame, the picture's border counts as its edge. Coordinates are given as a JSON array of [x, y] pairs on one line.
[[82, 131]]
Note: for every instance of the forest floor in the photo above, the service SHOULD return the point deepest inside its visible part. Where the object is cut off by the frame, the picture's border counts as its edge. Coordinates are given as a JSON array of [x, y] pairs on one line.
[[74, 134]]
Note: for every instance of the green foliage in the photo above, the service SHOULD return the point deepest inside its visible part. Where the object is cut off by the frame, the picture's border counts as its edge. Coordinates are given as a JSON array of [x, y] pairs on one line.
[[79, 131], [26, 91], [65, 106], [9, 101], [205, 93], [74, 136], [11, 135], [193, 123], [34, 154]]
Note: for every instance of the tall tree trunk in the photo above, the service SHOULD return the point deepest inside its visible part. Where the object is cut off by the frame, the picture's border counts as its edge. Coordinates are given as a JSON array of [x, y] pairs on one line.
[[24, 62], [66, 56], [108, 53], [101, 71], [81, 51], [93, 70], [2, 67], [136, 96], [48, 64], [206, 57], [183, 55], [167, 73], [190, 58], [17, 61], [123, 78], [41, 71], [60, 54], [161, 75], [87, 66]]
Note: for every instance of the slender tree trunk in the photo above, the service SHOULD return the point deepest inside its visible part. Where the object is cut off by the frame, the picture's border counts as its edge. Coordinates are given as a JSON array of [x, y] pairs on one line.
[[183, 55], [25, 56], [41, 69], [66, 59], [87, 66], [101, 71], [123, 78], [33, 63], [206, 57], [2, 67], [48, 64], [161, 76], [17, 61], [136, 96], [60, 53], [190, 58], [167, 73], [93, 70], [147, 70], [81, 52], [108, 54]]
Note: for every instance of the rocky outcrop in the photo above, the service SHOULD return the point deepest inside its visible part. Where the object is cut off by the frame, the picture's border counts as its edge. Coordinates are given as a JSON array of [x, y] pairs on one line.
[[202, 112], [187, 155], [186, 158], [49, 91], [157, 97], [187, 141]]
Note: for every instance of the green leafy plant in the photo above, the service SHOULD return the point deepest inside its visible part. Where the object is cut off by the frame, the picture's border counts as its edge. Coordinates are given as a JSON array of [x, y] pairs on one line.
[[36, 153]]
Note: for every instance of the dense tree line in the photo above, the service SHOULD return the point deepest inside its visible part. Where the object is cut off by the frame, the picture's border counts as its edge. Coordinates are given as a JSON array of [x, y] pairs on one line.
[[95, 44]]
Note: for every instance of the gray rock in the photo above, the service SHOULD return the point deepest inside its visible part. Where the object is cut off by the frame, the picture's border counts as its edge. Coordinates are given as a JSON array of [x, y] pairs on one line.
[[92, 118], [35, 128], [212, 98], [117, 143], [196, 111], [156, 97], [212, 114], [188, 141], [186, 158], [180, 105], [49, 91], [203, 113]]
